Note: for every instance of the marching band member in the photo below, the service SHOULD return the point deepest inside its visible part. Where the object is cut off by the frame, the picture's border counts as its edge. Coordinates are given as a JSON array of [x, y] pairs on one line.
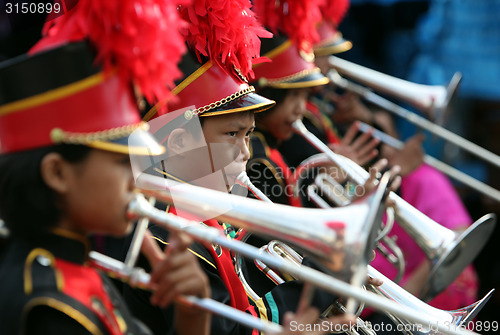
[[288, 79], [65, 173], [317, 113], [207, 145], [428, 190], [316, 116], [432, 193]]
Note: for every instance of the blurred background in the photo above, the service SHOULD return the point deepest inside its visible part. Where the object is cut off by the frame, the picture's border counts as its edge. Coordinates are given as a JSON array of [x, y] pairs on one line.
[[426, 42]]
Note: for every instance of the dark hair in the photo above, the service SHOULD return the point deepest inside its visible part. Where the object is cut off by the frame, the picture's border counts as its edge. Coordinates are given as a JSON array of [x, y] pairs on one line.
[[276, 94], [27, 205]]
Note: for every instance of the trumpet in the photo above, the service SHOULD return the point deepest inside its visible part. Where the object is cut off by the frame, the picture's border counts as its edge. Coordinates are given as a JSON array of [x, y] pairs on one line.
[[358, 72], [445, 168], [448, 251], [261, 218]]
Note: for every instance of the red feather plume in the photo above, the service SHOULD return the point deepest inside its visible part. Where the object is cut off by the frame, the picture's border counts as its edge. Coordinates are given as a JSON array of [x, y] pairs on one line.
[[140, 38], [226, 31], [334, 11], [295, 18]]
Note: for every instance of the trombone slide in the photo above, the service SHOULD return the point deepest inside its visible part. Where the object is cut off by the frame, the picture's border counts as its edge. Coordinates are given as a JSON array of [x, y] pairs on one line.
[[449, 252], [139, 207], [415, 119], [443, 167], [425, 97], [138, 277]]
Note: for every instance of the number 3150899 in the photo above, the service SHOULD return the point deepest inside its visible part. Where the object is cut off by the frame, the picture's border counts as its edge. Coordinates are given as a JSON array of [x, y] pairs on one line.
[[32, 8]]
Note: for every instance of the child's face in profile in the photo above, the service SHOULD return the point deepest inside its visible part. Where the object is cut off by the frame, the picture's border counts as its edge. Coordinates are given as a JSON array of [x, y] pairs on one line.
[[96, 194], [278, 121], [215, 159]]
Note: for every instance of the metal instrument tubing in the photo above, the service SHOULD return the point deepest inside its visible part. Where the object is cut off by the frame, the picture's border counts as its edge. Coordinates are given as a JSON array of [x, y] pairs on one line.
[[418, 120], [135, 245], [454, 318], [443, 167], [138, 277], [405, 211], [317, 278]]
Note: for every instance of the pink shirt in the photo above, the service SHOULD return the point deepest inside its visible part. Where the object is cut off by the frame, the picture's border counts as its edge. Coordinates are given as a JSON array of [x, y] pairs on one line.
[[428, 190]]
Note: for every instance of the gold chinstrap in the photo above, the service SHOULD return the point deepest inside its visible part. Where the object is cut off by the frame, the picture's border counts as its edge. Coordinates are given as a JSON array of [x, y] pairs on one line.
[[199, 111]]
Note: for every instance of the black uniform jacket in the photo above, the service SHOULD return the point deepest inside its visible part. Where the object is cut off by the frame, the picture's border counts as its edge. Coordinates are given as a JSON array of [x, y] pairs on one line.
[[46, 287]]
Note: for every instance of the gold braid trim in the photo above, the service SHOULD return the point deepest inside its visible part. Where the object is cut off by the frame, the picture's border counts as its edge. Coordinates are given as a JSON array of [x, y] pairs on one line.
[[28, 277], [198, 111], [60, 136], [295, 76]]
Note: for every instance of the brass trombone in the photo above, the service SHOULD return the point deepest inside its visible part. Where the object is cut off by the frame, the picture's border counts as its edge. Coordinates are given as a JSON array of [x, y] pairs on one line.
[[358, 72], [328, 187], [282, 222], [337, 244], [389, 289], [448, 251], [443, 167], [454, 319], [279, 249], [394, 292], [432, 99], [288, 254], [333, 191], [137, 277]]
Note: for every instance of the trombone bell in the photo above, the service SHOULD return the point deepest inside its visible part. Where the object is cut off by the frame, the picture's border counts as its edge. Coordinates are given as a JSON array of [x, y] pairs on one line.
[[449, 252], [341, 238], [453, 319], [195, 195], [445, 248], [459, 253]]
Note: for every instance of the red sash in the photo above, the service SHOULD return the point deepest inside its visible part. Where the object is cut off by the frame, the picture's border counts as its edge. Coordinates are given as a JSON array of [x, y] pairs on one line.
[[277, 158], [225, 268]]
